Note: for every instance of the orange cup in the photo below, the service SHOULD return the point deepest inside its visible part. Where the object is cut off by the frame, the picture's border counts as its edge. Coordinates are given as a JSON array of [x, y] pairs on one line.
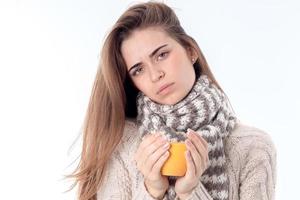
[[175, 165]]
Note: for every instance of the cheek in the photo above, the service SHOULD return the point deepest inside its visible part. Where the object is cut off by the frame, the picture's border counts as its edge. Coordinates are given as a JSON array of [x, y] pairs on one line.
[[141, 85], [178, 63], [178, 70]]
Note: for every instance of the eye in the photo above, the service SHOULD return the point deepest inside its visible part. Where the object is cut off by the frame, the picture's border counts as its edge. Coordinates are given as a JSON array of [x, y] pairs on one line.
[[137, 71], [162, 55]]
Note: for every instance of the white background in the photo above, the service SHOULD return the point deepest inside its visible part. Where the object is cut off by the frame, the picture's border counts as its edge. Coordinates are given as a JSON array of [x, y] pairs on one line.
[[49, 51]]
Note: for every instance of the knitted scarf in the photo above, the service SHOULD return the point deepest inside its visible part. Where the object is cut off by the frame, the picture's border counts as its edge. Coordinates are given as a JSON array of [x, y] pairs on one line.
[[205, 110]]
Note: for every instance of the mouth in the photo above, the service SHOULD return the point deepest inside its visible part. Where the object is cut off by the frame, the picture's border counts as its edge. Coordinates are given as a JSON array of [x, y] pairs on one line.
[[164, 88]]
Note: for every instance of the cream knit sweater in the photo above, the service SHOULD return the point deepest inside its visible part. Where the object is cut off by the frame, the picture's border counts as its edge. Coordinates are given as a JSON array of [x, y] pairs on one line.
[[251, 167]]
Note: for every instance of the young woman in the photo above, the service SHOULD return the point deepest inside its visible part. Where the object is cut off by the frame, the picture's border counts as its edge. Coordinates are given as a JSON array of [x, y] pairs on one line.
[[153, 77]]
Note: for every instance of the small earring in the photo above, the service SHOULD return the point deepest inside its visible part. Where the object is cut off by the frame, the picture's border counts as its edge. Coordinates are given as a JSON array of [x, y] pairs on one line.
[[193, 60]]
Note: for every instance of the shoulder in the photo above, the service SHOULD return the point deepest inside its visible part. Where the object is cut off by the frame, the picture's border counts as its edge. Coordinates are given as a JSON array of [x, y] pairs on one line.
[[249, 148], [245, 138], [129, 141], [130, 133]]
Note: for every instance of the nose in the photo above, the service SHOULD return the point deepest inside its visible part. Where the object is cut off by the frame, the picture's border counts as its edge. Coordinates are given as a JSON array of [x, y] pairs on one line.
[[156, 74]]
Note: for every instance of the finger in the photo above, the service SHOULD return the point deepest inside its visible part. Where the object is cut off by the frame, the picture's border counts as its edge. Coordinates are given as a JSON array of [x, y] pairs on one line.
[[197, 136], [152, 159], [147, 140], [139, 155], [202, 150], [202, 140], [149, 135], [198, 142], [160, 162], [153, 163], [190, 165], [150, 149], [151, 154], [198, 161]]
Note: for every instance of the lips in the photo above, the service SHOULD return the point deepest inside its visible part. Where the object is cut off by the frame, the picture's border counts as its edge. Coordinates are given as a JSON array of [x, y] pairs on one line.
[[164, 87]]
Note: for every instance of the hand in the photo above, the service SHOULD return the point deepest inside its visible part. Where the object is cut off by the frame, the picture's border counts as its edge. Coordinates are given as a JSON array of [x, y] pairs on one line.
[[197, 158], [150, 157]]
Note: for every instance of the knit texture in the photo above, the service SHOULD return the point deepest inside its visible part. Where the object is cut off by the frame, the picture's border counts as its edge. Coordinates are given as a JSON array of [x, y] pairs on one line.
[[250, 165], [205, 109]]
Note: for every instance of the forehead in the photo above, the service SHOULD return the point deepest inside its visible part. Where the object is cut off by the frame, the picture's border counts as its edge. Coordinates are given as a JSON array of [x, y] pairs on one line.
[[141, 43]]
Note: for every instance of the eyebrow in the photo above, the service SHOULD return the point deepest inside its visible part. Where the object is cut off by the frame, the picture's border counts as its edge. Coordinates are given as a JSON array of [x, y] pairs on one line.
[[150, 56]]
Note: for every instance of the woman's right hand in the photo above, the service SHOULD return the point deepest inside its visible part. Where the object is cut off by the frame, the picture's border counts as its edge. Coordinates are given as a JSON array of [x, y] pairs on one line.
[[150, 157]]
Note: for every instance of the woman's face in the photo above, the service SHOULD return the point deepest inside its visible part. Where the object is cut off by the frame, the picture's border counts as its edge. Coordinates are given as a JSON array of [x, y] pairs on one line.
[[155, 60]]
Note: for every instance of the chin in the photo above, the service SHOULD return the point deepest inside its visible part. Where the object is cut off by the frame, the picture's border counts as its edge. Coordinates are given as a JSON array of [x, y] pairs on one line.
[[169, 103], [171, 100]]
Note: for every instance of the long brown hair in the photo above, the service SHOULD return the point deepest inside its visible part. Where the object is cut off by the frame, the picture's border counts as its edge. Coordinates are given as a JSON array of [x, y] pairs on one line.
[[113, 95]]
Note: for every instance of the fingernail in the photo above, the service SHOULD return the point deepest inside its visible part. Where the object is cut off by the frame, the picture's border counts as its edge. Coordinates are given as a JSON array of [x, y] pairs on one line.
[[189, 131], [188, 154], [166, 145], [187, 142]]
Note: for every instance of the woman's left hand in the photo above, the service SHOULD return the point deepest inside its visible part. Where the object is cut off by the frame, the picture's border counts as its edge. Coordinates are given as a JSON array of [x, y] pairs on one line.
[[197, 159]]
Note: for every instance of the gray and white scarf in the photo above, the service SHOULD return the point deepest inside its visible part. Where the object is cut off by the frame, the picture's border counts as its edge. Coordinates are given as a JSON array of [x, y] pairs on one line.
[[205, 110]]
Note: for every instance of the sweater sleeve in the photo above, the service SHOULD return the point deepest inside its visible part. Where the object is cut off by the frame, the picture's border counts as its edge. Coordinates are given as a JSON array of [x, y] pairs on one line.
[[258, 173], [141, 192], [199, 193], [122, 180], [253, 167], [118, 184]]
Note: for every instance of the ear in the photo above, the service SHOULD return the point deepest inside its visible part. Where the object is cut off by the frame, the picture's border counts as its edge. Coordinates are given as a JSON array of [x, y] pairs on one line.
[[192, 54]]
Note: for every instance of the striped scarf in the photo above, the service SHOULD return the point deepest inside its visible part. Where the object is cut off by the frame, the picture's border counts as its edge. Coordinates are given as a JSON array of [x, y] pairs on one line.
[[205, 110]]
